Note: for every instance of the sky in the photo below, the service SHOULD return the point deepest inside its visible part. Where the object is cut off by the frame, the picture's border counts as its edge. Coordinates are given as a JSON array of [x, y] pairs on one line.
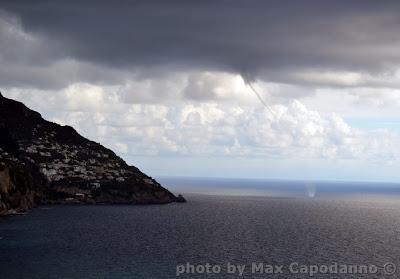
[[168, 85]]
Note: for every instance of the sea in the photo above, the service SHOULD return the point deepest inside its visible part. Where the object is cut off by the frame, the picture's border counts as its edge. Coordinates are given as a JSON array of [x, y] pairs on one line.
[[229, 228]]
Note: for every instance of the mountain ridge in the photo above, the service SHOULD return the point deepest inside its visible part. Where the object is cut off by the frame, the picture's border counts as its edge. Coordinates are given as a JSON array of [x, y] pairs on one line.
[[42, 162]]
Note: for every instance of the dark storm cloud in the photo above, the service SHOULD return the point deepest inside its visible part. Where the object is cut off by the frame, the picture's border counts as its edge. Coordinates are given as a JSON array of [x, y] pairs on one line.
[[268, 38]]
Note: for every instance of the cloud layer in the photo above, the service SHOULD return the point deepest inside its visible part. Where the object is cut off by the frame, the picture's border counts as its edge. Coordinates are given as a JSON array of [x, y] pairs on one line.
[[291, 131], [334, 43]]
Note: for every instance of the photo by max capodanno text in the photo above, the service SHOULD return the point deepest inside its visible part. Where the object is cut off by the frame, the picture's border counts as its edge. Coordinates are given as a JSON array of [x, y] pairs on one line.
[[294, 268]]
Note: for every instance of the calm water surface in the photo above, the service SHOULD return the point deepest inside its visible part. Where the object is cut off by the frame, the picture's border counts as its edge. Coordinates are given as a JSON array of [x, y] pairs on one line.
[[150, 241]]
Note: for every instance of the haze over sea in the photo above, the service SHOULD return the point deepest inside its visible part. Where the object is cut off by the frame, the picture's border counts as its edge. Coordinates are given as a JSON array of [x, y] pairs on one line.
[[235, 221]]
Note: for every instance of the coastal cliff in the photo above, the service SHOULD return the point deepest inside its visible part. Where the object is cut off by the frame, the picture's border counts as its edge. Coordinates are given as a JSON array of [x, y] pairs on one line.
[[42, 162]]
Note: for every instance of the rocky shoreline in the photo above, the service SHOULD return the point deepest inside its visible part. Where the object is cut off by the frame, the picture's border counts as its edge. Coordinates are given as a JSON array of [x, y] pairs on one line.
[[45, 163]]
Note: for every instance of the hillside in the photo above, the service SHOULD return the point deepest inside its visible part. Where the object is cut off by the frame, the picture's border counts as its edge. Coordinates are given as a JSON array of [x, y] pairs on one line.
[[43, 162]]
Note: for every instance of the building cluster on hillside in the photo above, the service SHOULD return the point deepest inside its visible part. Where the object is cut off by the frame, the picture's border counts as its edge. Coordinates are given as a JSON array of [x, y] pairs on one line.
[[59, 161]]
